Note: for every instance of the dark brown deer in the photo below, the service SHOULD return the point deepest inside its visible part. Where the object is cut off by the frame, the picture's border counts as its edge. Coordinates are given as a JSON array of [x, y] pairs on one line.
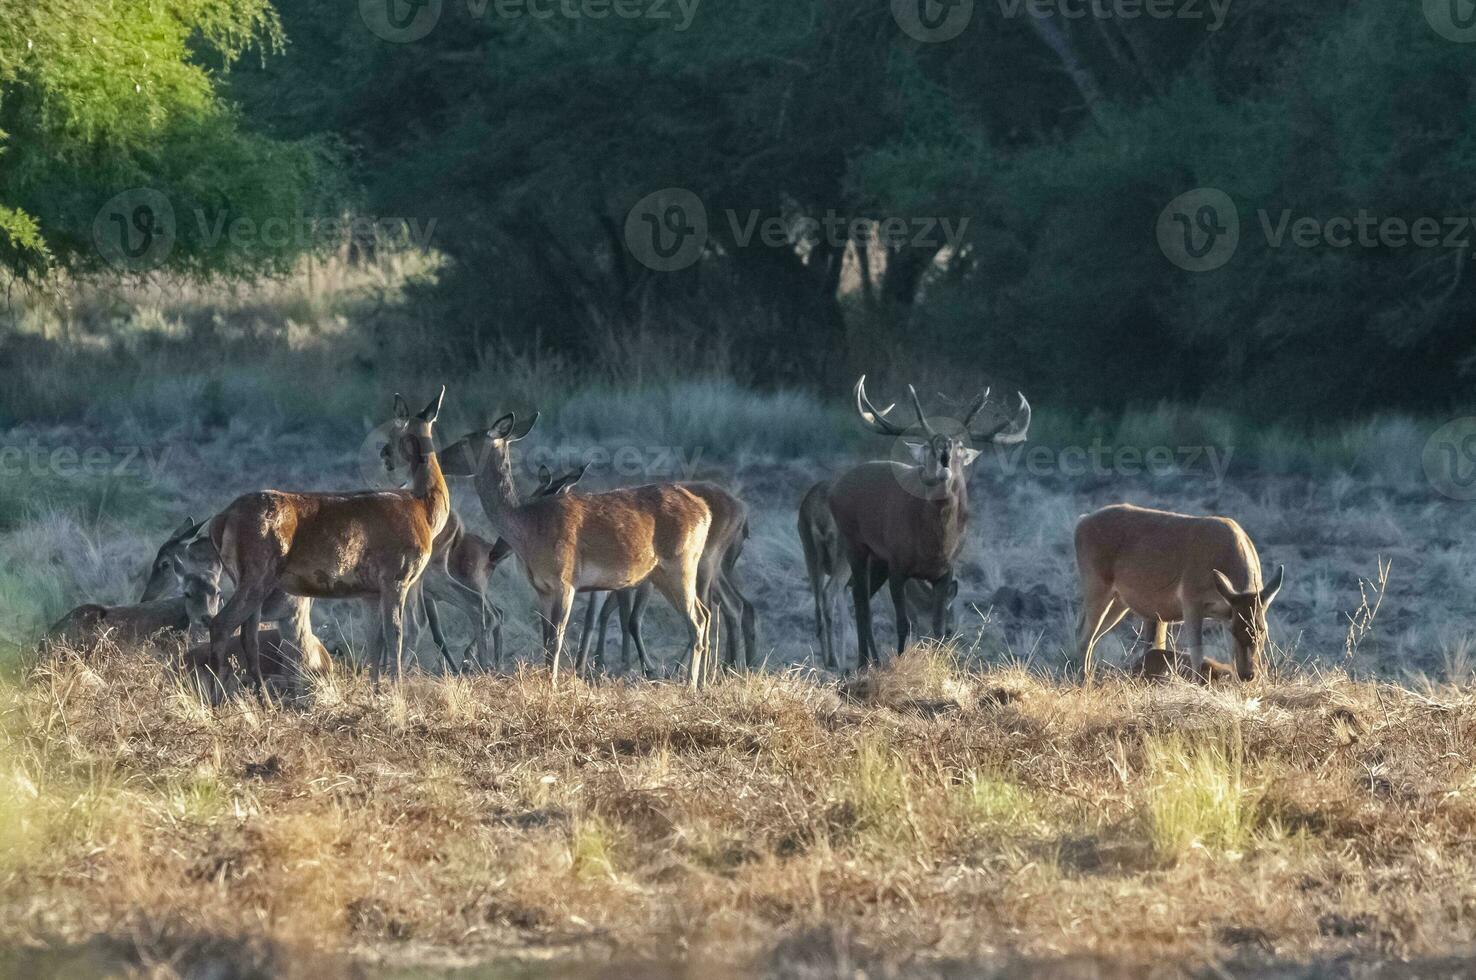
[[371, 545], [606, 541], [899, 522], [829, 573]]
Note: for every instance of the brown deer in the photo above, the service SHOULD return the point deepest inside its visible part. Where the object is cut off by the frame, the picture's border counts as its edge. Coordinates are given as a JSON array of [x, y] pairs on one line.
[[460, 574], [829, 573], [85, 626], [183, 557], [900, 521], [1166, 568], [723, 597], [371, 545], [605, 541]]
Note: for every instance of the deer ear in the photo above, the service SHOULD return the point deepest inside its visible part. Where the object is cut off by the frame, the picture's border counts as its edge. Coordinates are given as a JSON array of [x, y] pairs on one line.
[[433, 410], [1274, 586], [501, 428], [1226, 589], [967, 455], [919, 451], [402, 408], [185, 530], [545, 478], [519, 431]]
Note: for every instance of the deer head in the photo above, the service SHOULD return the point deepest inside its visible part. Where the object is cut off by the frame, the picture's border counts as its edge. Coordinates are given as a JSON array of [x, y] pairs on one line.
[[471, 454], [1248, 619], [164, 572], [943, 455]]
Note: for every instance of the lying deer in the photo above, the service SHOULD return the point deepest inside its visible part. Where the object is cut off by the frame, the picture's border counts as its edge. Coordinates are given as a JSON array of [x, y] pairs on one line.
[[142, 623], [371, 545], [829, 573], [591, 542], [1165, 568], [721, 595], [900, 522]]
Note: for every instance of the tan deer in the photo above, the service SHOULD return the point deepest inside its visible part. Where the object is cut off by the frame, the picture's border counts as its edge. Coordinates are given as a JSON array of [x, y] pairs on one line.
[[900, 521], [605, 541], [183, 557], [723, 597], [829, 574], [371, 545], [1167, 568], [460, 574]]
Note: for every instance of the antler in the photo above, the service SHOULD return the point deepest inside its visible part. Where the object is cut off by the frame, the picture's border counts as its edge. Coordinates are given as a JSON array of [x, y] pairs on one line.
[[922, 418], [1005, 433], [875, 420]]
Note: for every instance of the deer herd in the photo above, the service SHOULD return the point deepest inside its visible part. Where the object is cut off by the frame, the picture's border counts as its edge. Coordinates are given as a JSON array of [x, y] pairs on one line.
[[899, 522]]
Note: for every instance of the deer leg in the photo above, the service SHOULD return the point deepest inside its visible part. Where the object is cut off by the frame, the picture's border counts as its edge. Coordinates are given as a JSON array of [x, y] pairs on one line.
[[1193, 637], [392, 629], [243, 604], [861, 597], [556, 621], [834, 591], [898, 587], [433, 618], [586, 635], [1097, 617], [633, 614], [942, 599], [251, 652], [607, 609]]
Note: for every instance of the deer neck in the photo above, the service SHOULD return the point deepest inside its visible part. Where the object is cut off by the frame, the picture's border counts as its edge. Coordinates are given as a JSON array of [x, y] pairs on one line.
[[428, 485], [499, 495]]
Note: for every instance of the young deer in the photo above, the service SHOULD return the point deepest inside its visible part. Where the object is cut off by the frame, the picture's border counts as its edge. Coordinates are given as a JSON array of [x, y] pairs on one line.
[[176, 618], [1165, 568], [591, 542], [371, 545], [829, 573], [900, 522]]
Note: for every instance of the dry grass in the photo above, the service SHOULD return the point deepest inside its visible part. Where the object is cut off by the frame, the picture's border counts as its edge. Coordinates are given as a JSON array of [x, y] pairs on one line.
[[926, 814]]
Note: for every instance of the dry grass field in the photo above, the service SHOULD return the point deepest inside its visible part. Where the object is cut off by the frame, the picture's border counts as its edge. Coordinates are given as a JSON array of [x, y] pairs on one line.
[[922, 818]]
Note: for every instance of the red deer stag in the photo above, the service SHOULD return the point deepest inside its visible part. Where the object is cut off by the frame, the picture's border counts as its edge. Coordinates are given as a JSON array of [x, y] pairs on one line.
[[1166, 568], [605, 541], [900, 522], [370, 545], [829, 573]]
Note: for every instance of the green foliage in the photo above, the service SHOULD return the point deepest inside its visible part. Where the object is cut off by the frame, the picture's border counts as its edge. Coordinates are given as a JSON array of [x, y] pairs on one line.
[[102, 98]]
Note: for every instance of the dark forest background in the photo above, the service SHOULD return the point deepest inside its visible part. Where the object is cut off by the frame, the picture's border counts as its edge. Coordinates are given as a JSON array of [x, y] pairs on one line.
[[1059, 140]]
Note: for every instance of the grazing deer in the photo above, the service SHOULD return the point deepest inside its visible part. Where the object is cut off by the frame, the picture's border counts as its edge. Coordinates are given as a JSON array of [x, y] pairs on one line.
[[605, 541], [900, 522], [371, 545], [183, 557], [1165, 568], [723, 598], [84, 626], [829, 573]]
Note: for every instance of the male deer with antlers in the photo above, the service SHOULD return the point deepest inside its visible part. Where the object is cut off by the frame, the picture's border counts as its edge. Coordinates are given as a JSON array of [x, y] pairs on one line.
[[901, 522], [1169, 568], [605, 541], [370, 545]]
